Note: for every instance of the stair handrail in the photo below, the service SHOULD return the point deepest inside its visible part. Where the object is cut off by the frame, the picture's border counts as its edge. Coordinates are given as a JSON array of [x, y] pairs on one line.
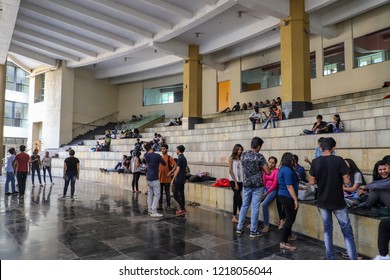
[[83, 125], [149, 117]]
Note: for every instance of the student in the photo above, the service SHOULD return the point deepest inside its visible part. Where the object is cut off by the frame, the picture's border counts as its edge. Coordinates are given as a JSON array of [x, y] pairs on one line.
[[253, 165], [330, 172], [270, 190], [71, 174], [287, 195], [236, 107], [235, 178], [165, 176], [135, 164], [21, 169], [318, 127], [179, 179], [35, 161], [300, 170], [383, 240], [46, 166], [357, 180], [10, 173], [337, 125], [153, 161], [273, 116], [255, 117]]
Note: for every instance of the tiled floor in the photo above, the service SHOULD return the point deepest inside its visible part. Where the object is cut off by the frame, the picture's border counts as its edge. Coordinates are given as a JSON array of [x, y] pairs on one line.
[[106, 222]]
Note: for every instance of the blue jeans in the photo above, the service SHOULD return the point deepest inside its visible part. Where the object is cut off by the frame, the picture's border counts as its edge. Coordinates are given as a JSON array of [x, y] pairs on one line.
[[269, 121], [72, 181], [267, 201], [346, 228], [250, 195], [10, 178]]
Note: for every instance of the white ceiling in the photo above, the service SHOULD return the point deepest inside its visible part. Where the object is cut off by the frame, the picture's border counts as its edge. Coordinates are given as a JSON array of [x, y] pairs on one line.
[[130, 40]]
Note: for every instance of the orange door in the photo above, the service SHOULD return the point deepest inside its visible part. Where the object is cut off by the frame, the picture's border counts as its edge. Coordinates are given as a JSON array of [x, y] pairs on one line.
[[223, 95]]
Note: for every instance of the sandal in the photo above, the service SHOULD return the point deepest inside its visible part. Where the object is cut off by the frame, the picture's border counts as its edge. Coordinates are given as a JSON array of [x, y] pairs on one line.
[[287, 246], [234, 220]]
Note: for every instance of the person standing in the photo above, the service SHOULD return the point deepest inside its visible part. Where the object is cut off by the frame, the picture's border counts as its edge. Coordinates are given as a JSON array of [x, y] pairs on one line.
[[383, 240], [235, 178], [153, 161], [10, 172], [253, 163], [136, 170], [179, 179], [330, 172], [46, 165], [288, 197], [71, 174], [35, 161], [21, 169], [164, 175]]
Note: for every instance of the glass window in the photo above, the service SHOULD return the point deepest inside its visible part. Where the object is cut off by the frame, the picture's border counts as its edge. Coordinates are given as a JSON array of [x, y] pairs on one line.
[[372, 48], [334, 59], [163, 95], [15, 114], [313, 65], [17, 78], [266, 76]]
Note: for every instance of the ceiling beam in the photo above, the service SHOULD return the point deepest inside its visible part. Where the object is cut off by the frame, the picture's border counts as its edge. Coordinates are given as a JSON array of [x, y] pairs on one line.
[[73, 24], [55, 31], [316, 27], [155, 73], [240, 35], [32, 55], [350, 10], [40, 47], [92, 15], [119, 8], [134, 68], [202, 16], [261, 43], [210, 2], [48, 40], [104, 56], [209, 61], [275, 8], [7, 23], [19, 63], [314, 5], [167, 7], [172, 47]]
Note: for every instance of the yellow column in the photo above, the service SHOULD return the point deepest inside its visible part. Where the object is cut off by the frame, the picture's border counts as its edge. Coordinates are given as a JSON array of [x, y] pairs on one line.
[[2, 105], [295, 60], [192, 88]]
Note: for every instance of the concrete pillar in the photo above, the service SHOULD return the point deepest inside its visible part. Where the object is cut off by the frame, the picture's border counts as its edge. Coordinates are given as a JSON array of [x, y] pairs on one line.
[[295, 60], [3, 82], [192, 88]]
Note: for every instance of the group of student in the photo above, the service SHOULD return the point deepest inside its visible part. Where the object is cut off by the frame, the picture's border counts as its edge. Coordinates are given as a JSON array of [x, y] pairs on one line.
[[321, 126], [274, 114], [255, 181], [19, 165], [250, 105]]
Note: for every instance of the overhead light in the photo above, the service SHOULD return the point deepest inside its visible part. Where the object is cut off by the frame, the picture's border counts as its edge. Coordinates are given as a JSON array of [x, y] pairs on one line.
[[197, 34], [126, 58]]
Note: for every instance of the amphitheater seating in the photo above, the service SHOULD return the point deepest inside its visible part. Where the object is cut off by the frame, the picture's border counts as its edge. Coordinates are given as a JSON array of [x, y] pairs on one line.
[[366, 116]]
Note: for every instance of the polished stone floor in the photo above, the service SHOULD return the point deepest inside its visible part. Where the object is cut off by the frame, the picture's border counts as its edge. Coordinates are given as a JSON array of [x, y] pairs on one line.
[[106, 222]]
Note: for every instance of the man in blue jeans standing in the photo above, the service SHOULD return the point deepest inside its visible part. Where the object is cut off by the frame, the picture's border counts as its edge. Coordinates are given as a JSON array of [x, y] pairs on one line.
[[71, 174], [330, 172], [253, 163]]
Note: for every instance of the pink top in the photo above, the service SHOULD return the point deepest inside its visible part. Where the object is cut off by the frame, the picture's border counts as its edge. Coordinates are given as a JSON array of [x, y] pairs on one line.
[[271, 181]]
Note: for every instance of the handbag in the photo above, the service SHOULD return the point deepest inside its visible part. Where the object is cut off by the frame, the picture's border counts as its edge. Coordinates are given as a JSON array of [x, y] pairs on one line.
[[308, 193]]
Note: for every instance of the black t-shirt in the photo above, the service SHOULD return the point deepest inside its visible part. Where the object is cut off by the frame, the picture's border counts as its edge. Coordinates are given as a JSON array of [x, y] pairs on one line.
[[182, 163], [329, 172], [71, 166], [35, 160]]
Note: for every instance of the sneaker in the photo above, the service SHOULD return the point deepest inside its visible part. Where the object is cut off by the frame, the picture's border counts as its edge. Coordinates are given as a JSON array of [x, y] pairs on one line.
[[292, 238], [8, 193], [239, 231], [156, 215], [62, 198], [281, 224], [15, 193], [181, 212], [287, 246], [379, 257], [254, 234], [71, 198]]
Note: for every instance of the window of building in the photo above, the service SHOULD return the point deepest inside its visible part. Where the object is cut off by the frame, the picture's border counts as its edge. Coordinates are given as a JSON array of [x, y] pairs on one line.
[[39, 93], [15, 114], [313, 73], [17, 78], [266, 76], [163, 95], [42, 90], [334, 59], [372, 48]]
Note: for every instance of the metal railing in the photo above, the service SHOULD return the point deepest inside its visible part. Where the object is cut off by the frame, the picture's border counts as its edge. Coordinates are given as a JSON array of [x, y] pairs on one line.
[[151, 116]]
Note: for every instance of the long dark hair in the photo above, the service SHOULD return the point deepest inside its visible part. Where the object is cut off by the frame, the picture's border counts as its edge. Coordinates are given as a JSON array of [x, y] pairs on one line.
[[288, 161], [234, 154], [375, 173], [353, 169], [338, 121]]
